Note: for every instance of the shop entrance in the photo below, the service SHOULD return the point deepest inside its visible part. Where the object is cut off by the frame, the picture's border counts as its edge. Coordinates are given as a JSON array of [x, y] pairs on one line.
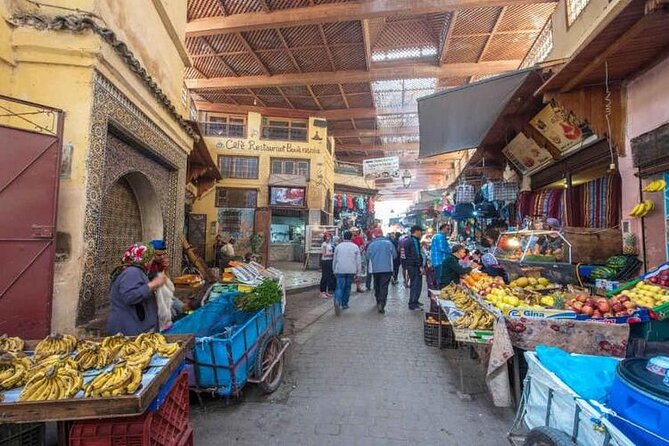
[[287, 229]]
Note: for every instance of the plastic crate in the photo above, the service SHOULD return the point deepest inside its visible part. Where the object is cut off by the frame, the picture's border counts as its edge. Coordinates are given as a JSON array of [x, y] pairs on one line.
[[27, 434], [163, 427], [187, 437], [225, 361], [431, 333]]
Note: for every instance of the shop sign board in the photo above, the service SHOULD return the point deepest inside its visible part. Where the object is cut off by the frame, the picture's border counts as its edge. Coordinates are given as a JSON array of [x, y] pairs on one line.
[[381, 168], [266, 146], [562, 129], [526, 155]]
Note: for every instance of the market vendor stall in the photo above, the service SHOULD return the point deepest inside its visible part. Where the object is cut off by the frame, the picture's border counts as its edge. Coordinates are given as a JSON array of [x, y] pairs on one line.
[[65, 379]]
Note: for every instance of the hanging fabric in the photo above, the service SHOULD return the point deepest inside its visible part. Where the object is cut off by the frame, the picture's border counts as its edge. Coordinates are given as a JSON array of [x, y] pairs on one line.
[[370, 205], [349, 202]]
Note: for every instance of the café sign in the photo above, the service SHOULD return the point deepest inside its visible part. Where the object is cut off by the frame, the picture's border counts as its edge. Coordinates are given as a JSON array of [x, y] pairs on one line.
[[266, 146]]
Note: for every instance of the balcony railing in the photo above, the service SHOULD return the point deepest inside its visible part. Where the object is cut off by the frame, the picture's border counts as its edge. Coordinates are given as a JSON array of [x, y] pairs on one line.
[[224, 129], [345, 168]]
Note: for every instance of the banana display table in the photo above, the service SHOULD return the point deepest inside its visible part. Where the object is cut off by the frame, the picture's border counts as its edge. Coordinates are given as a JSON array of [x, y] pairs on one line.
[[81, 407]]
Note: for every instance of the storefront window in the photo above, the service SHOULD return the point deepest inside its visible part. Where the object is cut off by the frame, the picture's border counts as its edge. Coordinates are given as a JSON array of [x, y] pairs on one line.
[[228, 197], [290, 167], [286, 229], [238, 166], [225, 125]]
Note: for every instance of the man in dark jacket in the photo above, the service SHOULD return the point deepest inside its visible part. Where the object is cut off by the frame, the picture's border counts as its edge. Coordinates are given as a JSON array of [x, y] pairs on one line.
[[414, 262], [451, 269]]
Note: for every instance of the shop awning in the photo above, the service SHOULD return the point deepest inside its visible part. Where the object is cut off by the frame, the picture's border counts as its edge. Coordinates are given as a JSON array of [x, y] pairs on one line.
[[460, 118], [201, 171], [632, 37]]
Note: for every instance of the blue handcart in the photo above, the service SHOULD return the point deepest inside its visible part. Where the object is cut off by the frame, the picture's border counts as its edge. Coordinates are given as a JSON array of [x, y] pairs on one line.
[[233, 348]]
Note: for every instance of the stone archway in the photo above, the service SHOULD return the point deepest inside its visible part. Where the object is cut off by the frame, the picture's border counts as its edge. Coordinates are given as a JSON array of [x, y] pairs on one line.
[[130, 212]]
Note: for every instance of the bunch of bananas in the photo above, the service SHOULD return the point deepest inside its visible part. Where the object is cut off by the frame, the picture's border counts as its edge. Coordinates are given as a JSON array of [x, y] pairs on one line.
[[131, 348], [655, 186], [55, 344], [57, 382], [10, 344], [92, 355], [42, 364], [115, 342], [475, 316], [122, 379], [641, 209], [159, 343], [168, 350], [13, 370], [141, 359]]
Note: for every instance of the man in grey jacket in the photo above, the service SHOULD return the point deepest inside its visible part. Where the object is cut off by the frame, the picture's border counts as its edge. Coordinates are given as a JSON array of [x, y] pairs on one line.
[[381, 254], [346, 264]]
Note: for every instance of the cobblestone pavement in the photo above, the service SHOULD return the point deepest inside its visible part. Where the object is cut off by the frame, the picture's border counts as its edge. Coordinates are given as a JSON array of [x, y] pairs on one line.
[[361, 379]]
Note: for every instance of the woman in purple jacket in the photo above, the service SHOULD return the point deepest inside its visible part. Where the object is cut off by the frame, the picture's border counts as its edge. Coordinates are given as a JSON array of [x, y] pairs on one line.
[[134, 309]]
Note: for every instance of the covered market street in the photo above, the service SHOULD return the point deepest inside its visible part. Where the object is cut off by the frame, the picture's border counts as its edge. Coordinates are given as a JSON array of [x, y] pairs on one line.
[[361, 379]]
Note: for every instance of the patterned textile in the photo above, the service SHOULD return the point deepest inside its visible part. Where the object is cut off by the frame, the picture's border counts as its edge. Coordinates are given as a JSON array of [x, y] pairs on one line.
[[138, 254], [545, 202], [598, 203]]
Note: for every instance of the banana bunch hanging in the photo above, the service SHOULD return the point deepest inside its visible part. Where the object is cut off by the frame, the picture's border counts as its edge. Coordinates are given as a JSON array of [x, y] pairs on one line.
[[655, 186], [642, 209]]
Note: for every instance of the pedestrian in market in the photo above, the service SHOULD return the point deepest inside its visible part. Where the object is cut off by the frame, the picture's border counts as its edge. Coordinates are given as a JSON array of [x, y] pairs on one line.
[[451, 270], [359, 241], [439, 249], [328, 279], [346, 264], [381, 253], [492, 267], [414, 263], [218, 245], [132, 297], [395, 239]]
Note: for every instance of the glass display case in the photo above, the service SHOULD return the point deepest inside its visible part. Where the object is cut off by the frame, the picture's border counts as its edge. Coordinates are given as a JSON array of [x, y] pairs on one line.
[[533, 247]]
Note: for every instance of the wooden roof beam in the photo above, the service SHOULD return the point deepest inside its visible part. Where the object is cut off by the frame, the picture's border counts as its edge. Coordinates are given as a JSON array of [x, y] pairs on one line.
[[334, 12], [331, 115], [370, 133], [492, 33], [447, 37], [356, 76]]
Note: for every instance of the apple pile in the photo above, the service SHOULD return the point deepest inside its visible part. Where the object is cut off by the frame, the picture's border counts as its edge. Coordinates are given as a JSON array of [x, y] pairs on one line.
[[617, 306], [662, 278]]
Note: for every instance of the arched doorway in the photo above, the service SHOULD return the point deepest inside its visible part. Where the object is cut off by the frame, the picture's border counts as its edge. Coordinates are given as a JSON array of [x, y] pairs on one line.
[[130, 213]]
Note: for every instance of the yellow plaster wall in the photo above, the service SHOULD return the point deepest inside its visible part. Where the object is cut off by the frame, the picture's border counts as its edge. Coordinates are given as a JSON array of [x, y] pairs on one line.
[[56, 69], [321, 168]]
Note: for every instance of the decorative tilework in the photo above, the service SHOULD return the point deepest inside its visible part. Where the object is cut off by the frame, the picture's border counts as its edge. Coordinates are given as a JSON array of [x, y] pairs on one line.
[[149, 151]]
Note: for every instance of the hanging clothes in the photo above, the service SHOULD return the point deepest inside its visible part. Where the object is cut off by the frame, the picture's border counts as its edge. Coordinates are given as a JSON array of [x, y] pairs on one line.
[[349, 203], [338, 202], [370, 205], [361, 203]]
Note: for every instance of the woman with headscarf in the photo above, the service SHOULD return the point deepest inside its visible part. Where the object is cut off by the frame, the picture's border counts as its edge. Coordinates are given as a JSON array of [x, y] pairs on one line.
[[134, 309]]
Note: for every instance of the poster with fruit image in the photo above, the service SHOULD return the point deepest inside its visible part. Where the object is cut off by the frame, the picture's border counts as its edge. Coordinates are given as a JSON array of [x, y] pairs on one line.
[[562, 129], [526, 155]]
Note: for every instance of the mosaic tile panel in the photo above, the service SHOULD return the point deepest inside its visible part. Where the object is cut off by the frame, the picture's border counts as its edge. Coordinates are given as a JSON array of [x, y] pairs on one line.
[[112, 109]]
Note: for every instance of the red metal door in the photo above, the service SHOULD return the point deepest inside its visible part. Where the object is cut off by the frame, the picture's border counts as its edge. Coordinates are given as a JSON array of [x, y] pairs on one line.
[[29, 175]]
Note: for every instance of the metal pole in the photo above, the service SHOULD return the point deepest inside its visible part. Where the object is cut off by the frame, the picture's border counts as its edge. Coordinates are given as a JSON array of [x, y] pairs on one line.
[[643, 228]]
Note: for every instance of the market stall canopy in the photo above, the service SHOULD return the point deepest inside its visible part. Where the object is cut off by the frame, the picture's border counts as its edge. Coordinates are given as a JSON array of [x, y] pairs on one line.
[[633, 37], [460, 118]]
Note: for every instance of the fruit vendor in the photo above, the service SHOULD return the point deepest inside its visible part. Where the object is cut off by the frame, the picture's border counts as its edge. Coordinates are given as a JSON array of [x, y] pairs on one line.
[[134, 309], [451, 270], [492, 268]]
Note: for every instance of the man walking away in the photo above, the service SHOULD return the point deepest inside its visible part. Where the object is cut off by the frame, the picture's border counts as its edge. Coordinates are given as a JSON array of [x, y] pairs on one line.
[[381, 253], [414, 262], [439, 249], [396, 263], [346, 264]]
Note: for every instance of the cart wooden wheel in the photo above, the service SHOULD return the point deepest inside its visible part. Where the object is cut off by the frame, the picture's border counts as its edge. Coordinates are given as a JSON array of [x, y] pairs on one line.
[[269, 365], [547, 436]]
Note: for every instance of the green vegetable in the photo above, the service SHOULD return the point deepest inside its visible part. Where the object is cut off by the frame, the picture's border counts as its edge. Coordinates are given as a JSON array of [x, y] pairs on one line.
[[264, 295]]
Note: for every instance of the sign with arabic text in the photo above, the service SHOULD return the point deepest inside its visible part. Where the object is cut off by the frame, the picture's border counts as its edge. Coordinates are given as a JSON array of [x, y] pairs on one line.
[[381, 168]]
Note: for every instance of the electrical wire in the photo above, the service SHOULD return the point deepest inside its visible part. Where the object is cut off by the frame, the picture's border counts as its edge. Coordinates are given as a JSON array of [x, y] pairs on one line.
[[608, 109]]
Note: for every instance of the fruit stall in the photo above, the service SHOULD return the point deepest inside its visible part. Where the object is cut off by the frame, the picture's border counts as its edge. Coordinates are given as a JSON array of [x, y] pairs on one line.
[[109, 381]]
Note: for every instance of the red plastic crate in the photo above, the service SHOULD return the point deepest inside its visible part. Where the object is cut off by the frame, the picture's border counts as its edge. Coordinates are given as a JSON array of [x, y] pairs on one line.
[[164, 427], [187, 437]]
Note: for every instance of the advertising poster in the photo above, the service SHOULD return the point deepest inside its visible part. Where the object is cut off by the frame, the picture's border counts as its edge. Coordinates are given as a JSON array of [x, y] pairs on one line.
[[526, 155], [287, 196], [562, 129], [381, 168]]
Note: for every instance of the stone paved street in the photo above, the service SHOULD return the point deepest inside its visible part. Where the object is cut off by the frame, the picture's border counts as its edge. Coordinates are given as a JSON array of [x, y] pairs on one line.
[[362, 379]]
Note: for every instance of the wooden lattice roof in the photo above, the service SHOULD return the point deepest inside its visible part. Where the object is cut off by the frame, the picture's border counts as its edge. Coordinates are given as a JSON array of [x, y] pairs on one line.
[[361, 64]]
